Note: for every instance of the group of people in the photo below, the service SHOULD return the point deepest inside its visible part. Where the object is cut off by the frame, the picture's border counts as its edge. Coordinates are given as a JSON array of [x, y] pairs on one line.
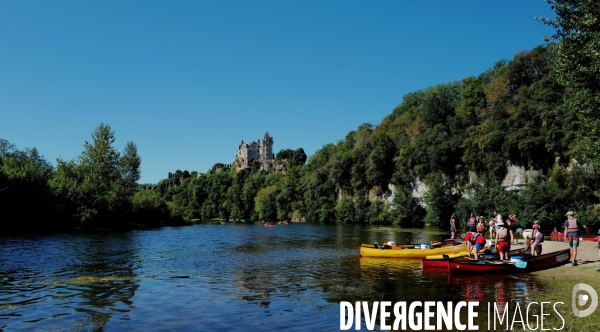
[[507, 231]]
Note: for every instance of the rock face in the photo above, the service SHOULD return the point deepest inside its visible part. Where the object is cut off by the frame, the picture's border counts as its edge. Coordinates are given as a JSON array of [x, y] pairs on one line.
[[516, 178], [418, 191], [377, 194]]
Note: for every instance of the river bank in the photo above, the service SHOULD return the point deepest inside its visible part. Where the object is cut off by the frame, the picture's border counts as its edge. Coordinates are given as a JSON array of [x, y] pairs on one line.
[[557, 285]]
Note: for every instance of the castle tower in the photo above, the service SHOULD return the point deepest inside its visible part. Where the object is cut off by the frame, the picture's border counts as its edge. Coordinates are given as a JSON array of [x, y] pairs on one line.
[[266, 148]]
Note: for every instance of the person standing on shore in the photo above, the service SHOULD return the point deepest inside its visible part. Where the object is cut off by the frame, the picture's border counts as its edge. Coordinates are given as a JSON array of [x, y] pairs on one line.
[[492, 225], [498, 216], [571, 232], [472, 224], [536, 226], [598, 246], [452, 226], [514, 224], [502, 241], [481, 225]]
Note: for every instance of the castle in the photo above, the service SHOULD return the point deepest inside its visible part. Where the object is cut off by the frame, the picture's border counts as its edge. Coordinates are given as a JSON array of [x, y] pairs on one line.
[[261, 151]]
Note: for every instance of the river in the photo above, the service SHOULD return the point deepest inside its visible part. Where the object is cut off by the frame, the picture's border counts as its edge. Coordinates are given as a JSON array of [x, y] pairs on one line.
[[239, 276]]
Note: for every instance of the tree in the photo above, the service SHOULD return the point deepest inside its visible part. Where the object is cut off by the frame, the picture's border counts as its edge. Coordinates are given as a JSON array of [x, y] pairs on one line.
[[577, 64], [24, 190], [96, 190], [439, 199], [265, 203]]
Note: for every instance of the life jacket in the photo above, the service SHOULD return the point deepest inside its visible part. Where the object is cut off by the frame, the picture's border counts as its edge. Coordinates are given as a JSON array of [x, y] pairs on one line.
[[478, 238], [480, 227], [474, 237], [472, 222], [572, 228], [503, 235]]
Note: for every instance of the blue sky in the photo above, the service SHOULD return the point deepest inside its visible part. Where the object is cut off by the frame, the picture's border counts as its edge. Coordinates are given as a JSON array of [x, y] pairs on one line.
[[187, 81]]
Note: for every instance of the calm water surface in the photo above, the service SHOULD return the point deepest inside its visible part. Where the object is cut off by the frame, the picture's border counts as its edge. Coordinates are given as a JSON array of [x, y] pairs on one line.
[[238, 276]]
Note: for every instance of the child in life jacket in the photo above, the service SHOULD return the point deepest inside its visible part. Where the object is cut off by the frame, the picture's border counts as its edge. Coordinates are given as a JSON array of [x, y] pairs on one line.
[[478, 241], [502, 240], [468, 237]]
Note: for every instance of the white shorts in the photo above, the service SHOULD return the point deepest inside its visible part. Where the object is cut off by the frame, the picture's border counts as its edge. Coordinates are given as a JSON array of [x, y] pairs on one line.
[[526, 235]]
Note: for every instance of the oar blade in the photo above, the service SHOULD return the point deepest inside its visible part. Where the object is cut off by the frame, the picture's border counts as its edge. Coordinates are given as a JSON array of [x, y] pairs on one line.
[[521, 265]]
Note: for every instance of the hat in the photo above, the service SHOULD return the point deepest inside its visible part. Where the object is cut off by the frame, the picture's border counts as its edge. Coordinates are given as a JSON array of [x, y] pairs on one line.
[[500, 223], [519, 230], [570, 213]]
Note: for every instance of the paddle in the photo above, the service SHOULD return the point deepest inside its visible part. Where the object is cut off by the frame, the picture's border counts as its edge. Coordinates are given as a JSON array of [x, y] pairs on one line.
[[521, 265]]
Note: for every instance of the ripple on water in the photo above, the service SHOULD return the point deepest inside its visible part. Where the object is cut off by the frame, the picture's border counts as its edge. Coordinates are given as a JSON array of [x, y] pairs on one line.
[[215, 277]]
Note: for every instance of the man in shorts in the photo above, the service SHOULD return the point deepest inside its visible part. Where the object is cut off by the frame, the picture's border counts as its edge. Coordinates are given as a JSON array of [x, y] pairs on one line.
[[571, 232]]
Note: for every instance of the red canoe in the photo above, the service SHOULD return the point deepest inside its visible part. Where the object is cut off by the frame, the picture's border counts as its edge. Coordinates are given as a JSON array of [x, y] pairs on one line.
[[440, 263], [560, 237], [542, 262]]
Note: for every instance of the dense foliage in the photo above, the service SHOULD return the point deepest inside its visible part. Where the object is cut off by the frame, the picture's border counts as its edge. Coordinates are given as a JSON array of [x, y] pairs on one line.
[[98, 190], [577, 64], [455, 139]]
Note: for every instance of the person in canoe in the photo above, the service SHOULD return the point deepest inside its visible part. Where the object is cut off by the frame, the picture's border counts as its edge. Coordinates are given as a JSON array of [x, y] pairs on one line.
[[502, 241], [452, 226], [571, 237], [554, 231]]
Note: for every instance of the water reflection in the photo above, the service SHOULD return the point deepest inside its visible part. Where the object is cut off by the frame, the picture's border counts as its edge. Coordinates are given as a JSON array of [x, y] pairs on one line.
[[217, 277], [85, 280]]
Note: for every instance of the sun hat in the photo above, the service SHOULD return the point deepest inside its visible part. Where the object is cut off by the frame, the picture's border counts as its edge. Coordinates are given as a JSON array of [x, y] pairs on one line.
[[519, 230], [570, 213], [500, 223]]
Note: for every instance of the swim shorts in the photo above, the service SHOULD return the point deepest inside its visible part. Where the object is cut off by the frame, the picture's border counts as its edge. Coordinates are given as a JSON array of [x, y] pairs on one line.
[[479, 246], [573, 241], [503, 246]]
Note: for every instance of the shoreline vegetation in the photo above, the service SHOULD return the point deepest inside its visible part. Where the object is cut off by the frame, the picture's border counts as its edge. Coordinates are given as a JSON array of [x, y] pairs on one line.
[[454, 142]]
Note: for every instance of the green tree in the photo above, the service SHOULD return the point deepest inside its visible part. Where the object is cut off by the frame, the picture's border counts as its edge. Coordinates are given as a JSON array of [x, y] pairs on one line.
[[577, 64], [96, 190]]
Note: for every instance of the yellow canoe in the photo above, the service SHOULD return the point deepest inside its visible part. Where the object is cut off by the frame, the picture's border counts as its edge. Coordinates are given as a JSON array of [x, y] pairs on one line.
[[371, 251]]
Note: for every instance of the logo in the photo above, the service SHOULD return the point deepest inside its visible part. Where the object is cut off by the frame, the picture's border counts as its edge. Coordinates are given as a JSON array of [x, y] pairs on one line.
[[582, 299]]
